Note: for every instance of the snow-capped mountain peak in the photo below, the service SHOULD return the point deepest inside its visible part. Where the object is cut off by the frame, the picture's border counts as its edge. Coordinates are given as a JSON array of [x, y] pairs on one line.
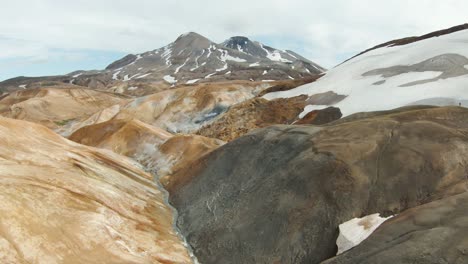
[[194, 57]]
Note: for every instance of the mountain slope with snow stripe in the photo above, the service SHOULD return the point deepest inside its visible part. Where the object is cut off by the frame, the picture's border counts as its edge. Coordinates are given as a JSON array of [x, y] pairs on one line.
[[432, 71]]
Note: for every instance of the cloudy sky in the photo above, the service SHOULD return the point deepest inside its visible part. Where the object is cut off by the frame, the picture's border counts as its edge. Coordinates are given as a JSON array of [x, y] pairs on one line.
[[46, 37]]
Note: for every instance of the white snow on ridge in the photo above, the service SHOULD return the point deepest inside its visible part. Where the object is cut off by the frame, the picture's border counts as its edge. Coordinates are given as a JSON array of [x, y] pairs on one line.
[[273, 56], [137, 59], [310, 108], [22, 86], [209, 75], [225, 66], [255, 64], [225, 56], [276, 56], [169, 79], [290, 54], [143, 76], [209, 50], [316, 68], [114, 76], [373, 93], [196, 61], [356, 230], [178, 68], [77, 75], [167, 55], [192, 81]]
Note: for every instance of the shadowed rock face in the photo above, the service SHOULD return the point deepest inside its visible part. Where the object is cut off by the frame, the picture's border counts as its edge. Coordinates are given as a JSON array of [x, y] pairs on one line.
[[61, 202], [320, 117], [278, 195], [449, 66], [327, 98], [432, 233]]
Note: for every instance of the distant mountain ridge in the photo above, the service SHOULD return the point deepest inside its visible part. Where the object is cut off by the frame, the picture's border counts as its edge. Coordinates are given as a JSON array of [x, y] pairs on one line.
[[191, 58]]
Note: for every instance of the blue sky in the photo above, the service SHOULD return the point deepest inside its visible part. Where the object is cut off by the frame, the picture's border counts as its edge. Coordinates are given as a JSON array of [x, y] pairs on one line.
[[47, 37], [57, 62]]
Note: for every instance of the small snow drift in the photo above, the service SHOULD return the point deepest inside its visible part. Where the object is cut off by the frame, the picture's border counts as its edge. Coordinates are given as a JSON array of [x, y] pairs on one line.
[[356, 230]]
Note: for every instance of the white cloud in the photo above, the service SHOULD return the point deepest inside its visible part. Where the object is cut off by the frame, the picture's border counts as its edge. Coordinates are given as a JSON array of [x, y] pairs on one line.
[[325, 28]]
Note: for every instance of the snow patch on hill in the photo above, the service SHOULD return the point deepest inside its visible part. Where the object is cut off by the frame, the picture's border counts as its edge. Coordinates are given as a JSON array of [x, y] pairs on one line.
[[377, 92], [169, 79], [356, 230]]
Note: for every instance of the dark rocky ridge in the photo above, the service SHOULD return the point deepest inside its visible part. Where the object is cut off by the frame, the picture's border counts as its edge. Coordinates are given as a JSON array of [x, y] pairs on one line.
[[278, 195], [122, 62]]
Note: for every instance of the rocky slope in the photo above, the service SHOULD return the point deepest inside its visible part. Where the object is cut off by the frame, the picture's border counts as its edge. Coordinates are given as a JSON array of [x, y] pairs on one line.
[[66, 203], [185, 110], [190, 59], [253, 114], [431, 69], [311, 179]]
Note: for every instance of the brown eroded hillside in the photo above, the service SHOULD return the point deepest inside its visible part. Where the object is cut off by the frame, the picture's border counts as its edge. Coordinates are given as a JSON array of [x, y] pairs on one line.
[[67, 203]]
